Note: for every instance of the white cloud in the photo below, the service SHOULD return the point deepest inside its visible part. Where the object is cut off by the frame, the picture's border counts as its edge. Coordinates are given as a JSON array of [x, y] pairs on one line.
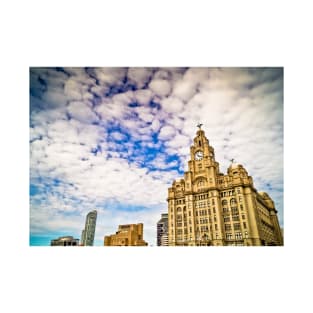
[[160, 87], [179, 141], [80, 111], [139, 75], [110, 76], [118, 136], [145, 114], [172, 105], [240, 110], [72, 89], [143, 96], [167, 132], [155, 126], [184, 89], [160, 163]]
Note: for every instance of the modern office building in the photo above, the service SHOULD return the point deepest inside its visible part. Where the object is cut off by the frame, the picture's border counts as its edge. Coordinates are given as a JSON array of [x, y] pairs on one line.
[[127, 235], [162, 229], [207, 207], [164, 239], [88, 234], [65, 241]]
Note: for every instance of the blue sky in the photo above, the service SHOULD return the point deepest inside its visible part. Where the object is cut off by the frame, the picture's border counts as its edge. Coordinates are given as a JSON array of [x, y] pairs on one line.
[[114, 139]]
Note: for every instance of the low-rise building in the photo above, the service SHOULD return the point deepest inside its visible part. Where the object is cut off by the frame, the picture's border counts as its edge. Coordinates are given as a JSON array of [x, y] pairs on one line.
[[65, 241], [127, 235]]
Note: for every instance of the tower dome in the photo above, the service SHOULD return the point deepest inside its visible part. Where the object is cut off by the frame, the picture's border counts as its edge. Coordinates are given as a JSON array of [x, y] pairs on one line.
[[234, 166]]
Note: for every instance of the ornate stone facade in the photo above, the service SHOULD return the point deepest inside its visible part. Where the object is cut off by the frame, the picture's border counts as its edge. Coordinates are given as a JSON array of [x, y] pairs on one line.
[[207, 207]]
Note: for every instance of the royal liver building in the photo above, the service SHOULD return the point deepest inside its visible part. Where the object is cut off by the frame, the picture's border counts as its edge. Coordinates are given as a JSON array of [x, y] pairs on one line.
[[207, 207]]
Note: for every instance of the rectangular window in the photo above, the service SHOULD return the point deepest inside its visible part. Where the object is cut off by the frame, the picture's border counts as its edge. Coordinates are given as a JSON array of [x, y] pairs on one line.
[[234, 210], [238, 236], [227, 219], [237, 226], [229, 236], [214, 210], [227, 227], [216, 228], [244, 225], [236, 217]]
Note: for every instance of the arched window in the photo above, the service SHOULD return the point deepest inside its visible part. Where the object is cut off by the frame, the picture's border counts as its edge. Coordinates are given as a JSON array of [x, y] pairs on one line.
[[233, 201], [200, 183], [179, 209], [224, 203]]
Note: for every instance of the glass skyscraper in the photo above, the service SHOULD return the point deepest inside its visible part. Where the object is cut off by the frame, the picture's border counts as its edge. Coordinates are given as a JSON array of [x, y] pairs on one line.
[[88, 234]]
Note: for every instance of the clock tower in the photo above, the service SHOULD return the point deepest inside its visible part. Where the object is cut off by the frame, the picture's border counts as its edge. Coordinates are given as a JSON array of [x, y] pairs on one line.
[[200, 183], [202, 164], [208, 208]]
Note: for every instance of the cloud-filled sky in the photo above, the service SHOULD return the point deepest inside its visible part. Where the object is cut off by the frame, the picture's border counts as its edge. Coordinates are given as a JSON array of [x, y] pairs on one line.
[[114, 139]]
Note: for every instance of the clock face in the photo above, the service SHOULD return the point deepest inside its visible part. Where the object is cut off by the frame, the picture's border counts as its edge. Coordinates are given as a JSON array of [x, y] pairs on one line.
[[199, 155]]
